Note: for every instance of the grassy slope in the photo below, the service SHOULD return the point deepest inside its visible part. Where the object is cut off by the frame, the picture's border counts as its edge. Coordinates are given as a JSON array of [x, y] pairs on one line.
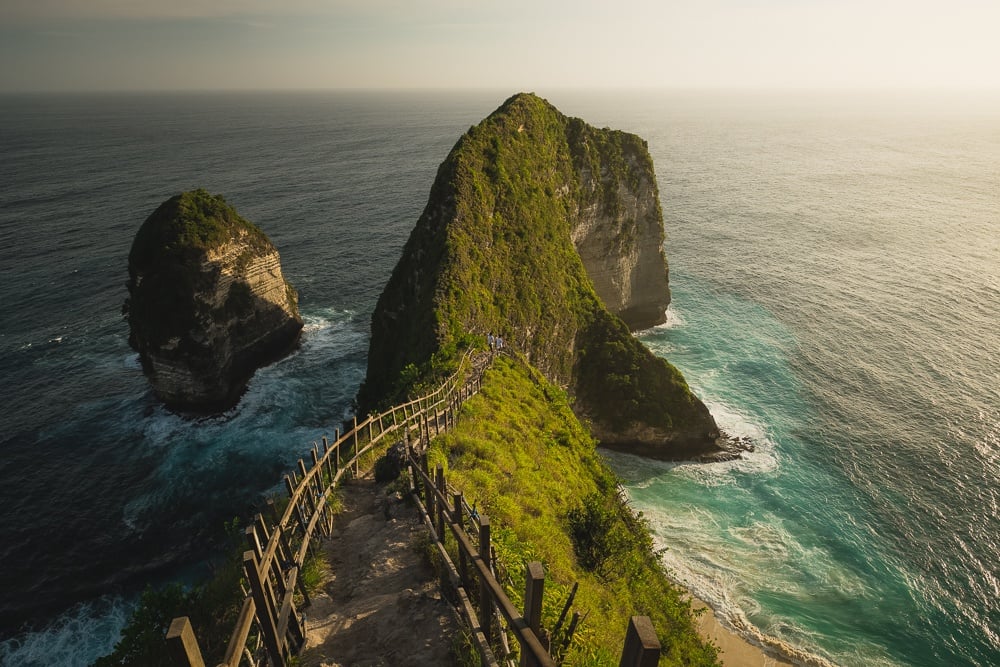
[[523, 458]]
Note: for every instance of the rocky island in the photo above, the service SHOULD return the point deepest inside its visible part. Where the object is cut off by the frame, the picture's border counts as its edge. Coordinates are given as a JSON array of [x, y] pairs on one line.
[[207, 303], [548, 232]]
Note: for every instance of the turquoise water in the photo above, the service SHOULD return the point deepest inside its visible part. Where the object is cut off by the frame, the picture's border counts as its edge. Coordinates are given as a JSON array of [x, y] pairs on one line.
[[836, 279], [835, 265]]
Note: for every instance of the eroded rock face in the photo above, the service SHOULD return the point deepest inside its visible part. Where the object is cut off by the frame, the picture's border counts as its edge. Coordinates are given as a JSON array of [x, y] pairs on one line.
[[618, 231], [208, 304]]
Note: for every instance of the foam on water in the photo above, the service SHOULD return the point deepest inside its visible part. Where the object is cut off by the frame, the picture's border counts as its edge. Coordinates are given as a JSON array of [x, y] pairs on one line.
[[76, 638], [834, 279]]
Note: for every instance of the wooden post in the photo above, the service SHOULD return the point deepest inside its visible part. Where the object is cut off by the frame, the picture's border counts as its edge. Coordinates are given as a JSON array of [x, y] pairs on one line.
[[442, 507], [253, 542], [321, 506], [336, 454], [485, 597], [459, 511], [326, 457], [534, 577], [298, 508], [267, 625], [428, 487], [320, 484], [285, 553], [355, 431], [575, 621], [307, 493], [569, 603], [183, 645], [642, 648], [263, 533]]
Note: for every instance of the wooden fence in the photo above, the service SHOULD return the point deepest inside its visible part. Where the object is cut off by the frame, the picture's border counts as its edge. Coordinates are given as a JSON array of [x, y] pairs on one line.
[[277, 547]]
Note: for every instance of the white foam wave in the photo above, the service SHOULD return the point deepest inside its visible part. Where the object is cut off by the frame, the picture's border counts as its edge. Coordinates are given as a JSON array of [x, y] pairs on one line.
[[764, 459], [77, 638], [712, 578], [674, 320]]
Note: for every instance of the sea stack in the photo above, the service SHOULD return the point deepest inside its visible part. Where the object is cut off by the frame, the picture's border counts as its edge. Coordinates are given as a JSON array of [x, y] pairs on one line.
[[207, 303], [548, 232], [617, 223]]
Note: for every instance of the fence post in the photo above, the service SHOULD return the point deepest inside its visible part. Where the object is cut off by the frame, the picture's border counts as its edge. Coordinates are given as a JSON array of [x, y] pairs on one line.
[[183, 645], [459, 511], [442, 507], [642, 648], [355, 431], [427, 486], [485, 597], [321, 506], [253, 541], [290, 486], [326, 457], [534, 577], [307, 494], [267, 625], [336, 454]]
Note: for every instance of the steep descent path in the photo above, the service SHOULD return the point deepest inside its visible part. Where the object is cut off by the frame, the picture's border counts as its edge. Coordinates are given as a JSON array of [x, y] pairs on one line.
[[381, 604]]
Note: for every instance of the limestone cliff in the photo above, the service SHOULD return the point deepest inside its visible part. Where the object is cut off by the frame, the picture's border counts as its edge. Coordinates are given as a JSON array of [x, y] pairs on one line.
[[617, 228], [517, 204], [207, 302]]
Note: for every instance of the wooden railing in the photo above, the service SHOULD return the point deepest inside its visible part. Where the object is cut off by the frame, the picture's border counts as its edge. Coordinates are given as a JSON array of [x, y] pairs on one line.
[[445, 512], [278, 548]]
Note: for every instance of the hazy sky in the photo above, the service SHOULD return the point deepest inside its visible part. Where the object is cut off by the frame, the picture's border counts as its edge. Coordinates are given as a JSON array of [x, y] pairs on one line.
[[515, 44]]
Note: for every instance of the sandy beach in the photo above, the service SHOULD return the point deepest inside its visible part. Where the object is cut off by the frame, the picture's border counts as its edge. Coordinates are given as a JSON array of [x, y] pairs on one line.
[[734, 650]]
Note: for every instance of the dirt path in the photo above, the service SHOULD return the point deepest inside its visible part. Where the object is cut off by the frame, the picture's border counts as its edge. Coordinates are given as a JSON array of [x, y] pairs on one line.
[[381, 604]]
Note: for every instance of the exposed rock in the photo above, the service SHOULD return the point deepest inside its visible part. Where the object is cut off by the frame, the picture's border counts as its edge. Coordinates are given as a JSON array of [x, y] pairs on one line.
[[618, 228], [207, 302], [496, 250]]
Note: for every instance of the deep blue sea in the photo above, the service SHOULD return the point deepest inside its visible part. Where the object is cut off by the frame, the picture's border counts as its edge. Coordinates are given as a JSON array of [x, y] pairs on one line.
[[835, 267]]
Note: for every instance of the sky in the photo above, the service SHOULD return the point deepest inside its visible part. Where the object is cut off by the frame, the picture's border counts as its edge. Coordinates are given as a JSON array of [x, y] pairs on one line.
[[84, 45]]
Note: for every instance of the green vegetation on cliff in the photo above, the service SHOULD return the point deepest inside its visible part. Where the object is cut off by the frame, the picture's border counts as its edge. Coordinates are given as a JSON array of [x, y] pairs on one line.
[[192, 221], [523, 458], [493, 252]]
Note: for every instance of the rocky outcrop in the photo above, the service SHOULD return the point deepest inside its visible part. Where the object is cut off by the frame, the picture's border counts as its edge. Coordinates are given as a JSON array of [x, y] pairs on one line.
[[207, 304], [528, 213], [618, 228]]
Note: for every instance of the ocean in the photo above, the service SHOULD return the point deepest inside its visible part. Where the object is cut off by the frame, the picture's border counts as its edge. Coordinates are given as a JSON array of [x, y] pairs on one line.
[[835, 268]]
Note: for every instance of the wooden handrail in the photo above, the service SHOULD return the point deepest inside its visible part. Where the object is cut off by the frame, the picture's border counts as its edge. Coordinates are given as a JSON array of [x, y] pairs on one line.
[[526, 637], [260, 563], [279, 621]]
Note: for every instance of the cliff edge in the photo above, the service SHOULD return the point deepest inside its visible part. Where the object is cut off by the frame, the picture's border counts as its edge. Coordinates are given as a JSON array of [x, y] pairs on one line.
[[529, 213], [207, 303]]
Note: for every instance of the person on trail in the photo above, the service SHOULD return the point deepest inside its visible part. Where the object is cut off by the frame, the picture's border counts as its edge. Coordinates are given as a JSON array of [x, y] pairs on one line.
[[491, 341], [499, 343]]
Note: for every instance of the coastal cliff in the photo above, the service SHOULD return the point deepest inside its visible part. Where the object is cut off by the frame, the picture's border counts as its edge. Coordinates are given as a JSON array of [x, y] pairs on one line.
[[207, 303], [529, 214], [617, 225]]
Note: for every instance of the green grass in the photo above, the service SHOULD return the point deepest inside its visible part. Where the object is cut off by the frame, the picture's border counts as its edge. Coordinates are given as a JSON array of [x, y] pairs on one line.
[[522, 457]]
